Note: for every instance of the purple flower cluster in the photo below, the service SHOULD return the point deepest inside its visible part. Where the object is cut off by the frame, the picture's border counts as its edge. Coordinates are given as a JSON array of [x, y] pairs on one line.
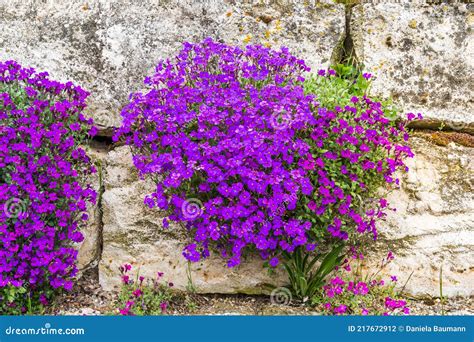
[[352, 149], [242, 156], [220, 126], [43, 197], [393, 305]]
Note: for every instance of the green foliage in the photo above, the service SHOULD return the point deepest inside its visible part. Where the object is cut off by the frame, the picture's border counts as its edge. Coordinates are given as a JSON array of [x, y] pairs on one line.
[[305, 279], [372, 303], [20, 301], [150, 302], [335, 92], [142, 296], [338, 90]]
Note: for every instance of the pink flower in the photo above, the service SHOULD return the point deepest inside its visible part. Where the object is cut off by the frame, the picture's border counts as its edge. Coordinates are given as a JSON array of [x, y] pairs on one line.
[[339, 310], [390, 256], [124, 311]]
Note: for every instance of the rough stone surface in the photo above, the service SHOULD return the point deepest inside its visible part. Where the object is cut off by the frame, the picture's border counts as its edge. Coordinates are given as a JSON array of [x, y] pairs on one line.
[[109, 46], [422, 55], [89, 250], [433, 226], [133, 233]]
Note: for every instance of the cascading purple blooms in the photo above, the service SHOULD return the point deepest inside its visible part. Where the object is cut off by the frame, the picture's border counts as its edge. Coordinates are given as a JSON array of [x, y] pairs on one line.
[[350, 146], [230, 133], [43, 193]]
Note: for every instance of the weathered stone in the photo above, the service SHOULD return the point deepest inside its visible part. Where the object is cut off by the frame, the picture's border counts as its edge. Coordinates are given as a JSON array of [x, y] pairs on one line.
[[89, 250], [109, 46], [133, 233], [422, 55], [433, 226]]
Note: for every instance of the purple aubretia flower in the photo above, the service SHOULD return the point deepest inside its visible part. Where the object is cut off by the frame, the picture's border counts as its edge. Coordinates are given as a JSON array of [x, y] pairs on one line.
[[232, 131], [214, 113], [43, 195]]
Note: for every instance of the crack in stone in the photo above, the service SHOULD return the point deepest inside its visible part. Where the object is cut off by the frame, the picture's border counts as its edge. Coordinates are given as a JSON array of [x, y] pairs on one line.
[[345, 51], [350, 50], [100, 216]]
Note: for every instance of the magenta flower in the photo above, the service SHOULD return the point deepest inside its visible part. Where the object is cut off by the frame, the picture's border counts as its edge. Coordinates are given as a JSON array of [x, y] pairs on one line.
[[341, 309], [163, 306]]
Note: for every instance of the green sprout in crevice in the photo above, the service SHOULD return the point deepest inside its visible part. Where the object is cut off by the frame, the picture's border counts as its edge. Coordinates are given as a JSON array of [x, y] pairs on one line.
[[345, 51]]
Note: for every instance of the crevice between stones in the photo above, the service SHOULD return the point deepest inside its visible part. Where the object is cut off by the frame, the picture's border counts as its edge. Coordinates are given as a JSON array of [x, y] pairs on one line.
[[104, 139], [440, 125], [350, 51], [101, 146], [345, 50], [100, 217]]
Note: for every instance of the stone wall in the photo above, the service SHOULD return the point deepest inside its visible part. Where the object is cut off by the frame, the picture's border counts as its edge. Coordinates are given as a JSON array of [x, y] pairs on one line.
[[420, 54], [433, 225], [423, 56]]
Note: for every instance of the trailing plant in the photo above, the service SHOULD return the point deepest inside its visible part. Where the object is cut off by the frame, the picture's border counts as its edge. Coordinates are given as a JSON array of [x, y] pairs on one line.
[[246, 158], [43, 188], [356, 149]]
